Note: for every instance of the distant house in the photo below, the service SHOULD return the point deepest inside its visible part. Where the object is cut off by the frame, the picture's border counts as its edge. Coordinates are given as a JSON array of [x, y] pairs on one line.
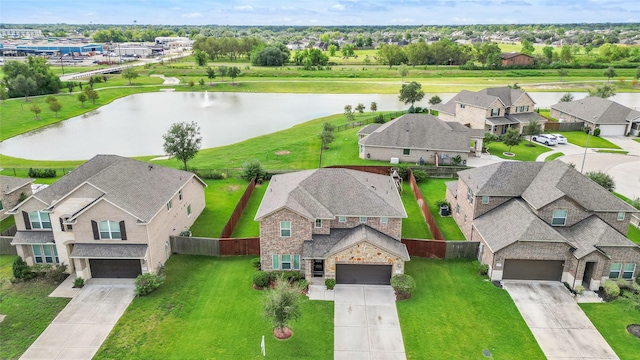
[[544, 221], [493, 109], [419, 138], [110, 217], [333, 223], [11, 190], [611, 118], [515, 58], [296, 45]]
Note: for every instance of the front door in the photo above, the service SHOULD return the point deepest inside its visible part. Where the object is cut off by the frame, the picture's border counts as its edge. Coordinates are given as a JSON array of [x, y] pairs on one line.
[[588, 273], [318, 268]]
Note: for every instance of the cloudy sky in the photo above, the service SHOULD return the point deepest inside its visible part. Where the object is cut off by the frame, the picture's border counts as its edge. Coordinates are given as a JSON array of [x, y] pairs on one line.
[[318, 12]]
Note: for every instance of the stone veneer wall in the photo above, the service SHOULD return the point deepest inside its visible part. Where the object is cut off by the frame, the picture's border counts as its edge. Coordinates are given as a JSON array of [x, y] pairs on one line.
[[363, 253]]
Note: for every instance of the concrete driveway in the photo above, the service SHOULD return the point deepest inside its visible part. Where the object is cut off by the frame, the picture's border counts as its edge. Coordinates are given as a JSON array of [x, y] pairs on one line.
[[561, 328], [82, 326], [366, 324]]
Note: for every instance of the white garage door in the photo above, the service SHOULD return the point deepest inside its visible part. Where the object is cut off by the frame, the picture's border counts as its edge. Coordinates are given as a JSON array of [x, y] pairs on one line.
[[612, 130]]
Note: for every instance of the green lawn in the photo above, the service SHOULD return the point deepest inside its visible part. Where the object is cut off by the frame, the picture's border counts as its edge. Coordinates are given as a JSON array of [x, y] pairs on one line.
[[208, 309], [634, 234], [624, 152], [7, 223], [580, 138], [28, 308], [415, 226], [221, 197], [611, 320], [247, 227], [434, 190], [456, 314], [554, 156], [636, 140], [522, 151]]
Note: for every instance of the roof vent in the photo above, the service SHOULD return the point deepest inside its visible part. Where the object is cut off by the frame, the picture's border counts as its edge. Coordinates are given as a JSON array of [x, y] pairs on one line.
[[150, 167]]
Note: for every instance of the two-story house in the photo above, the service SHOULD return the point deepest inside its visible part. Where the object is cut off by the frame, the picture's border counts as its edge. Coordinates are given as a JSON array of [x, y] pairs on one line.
[[12, 190], [544, 221], [110, 217], [333, 223], [493, 109]]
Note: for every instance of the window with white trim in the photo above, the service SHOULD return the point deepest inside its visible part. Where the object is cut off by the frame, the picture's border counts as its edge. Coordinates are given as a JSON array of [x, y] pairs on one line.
[[45, 254], [462, 106], [559, 217], [342, 219], [458, 209], [621, 216], [188, 210], [485, 199], [495, 112], [39, 220], [525, 108], [361, 149], [615, 270], [109, 230], [628, 270], [384, 220], [180, 195], [363, 219], [285, 228], [470, 196], [169, 205], [285, 262], [318, 223]]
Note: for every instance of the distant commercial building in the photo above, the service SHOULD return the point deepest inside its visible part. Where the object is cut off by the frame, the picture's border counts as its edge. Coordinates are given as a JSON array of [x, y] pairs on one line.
[[19, 33], [48, 49]]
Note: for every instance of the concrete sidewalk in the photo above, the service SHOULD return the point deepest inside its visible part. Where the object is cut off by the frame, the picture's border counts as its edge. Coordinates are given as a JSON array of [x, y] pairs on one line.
[[82, 326], [366, 324]]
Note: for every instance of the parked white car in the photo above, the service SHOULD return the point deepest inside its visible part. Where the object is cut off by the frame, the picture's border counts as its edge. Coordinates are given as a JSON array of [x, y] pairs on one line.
[[560, 138], [546, 139]]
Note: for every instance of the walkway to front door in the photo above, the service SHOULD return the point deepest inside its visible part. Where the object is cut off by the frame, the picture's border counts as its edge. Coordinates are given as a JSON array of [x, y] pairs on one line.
[[366, 324]]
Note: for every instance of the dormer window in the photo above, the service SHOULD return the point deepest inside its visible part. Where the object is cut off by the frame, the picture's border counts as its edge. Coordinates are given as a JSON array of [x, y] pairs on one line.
[[180, 195], [621, 216], [363, 219], [559, 218], [462, 106], [342, 219], [169, 205], [39, 220], [318, 223], [495, 112], [485, 200]]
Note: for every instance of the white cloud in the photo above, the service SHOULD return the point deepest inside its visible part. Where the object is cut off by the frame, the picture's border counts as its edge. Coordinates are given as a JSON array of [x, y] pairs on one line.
[[404, 20], [336, 7], [192, 15], [243, 8]]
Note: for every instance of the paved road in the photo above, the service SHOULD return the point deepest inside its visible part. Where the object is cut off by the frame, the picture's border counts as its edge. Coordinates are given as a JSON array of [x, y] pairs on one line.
[[366, 324], [560, 327]]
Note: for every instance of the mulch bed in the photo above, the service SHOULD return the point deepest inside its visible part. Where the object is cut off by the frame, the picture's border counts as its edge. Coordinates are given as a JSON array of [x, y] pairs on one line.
[[634, 329], [282, 334]]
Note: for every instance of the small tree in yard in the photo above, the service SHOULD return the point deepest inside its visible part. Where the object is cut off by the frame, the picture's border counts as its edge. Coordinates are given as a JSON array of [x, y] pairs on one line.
[[201, 82], [233, 73], [567, 97], [411, 92], [36, 110], [222, 70], [21, 270], [511, 138], [327, 136], [130, 74], [435, 99], [360, 108], [182, 141], [532, 128], [55, 106], [348, 112], [403, 71], [374, 106], [252, 169], [602, 179], [604, 91], [147, 283], [211, 74], [82, 98], [91, 94], [562, 73], [610, 73], [281, 307], [403, 285]]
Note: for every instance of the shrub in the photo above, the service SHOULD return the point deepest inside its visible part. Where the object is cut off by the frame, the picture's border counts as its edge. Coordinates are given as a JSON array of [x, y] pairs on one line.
[[483, 269], [289, 275], [57, 273], [303, 284], [611, 288], [623, 284], [403, 171], [260, 279], [78, 282], [379, 119], [41, 173], [403, 285], [596, 132], [330, 283], [255, 262], [579, 289], [420, 175], [252, 169], [21, 270], [147, 283]]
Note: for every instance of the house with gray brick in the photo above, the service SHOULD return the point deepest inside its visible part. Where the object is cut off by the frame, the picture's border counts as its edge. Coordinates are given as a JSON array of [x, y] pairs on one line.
[[611, 118], [109, 218], [419, 138], [333, 223], [493, 110], [12, 189], [544, 221]]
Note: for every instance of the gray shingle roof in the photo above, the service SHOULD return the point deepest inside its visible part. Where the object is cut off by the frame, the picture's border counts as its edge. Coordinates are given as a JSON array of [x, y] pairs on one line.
[[591, 233], [33, 237], [368, 129], [341, 239], [420, 131], [598, 111], [137, 187], [109, 251], [483, 98], [327, 193], [524, 118], [512, 55], [508, 178], [9, 184]]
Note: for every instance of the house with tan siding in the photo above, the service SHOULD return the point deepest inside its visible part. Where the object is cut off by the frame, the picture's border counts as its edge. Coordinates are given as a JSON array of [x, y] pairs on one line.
[[544, 221], [515, 58], [110, 217], [333, 223]]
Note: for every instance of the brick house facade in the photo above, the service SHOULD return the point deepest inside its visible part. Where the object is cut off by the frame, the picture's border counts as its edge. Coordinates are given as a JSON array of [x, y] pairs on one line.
[[12, 189]]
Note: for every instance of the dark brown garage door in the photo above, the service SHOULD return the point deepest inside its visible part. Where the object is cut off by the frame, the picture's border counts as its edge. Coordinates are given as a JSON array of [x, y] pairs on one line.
[[115, 268], [363, 274], [533, 270]]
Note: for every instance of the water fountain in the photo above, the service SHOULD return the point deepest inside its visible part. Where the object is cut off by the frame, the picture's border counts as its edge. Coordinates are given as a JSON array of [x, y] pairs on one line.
[[206, 102]]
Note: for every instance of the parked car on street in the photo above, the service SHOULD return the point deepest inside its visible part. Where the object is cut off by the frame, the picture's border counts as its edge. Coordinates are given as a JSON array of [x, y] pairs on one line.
[[546, 139], [560, 138]]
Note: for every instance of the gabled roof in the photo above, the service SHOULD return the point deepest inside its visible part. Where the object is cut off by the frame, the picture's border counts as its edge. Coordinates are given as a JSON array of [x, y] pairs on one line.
[[137, 187], [421, 131], [510, 55], [368, 129], [9, 184], [597, 110], [592, 233], [330, 192], [483, 98]]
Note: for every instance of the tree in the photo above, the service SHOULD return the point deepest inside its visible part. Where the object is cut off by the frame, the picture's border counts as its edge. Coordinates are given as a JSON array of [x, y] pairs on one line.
[[610, 73], [360, 108], [638, 73], [511, 138], [129, 73], [604, 91], [403, 71], [270, 56], [373, 106], [527, 47], [200, 57], [565, 54], [390, 55], [55, 106], [182, 141], [532, 128], [233, 72], [562, 72], [211, 74], [347, 50], [411, 92], [91, 95], [201, 82], [488, 53], [548, 53], [49, 99], [4, 94], [514, 86], [435, 99], [327, 136], [282, 306], [567, 97], [222, 70], [82, 98], [70, 86], [36, 110], [23, 86], [348, 112], [602, 179], [252, 169], [332, 50], [37, 70]]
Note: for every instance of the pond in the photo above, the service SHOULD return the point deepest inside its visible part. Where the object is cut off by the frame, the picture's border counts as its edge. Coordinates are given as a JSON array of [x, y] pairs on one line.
[[134, 125]]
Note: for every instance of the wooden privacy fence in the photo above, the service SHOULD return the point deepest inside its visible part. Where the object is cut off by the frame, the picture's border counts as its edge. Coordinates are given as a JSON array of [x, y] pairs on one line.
[[422, 203], [382, 170], [441, 249], [237, 212], [563, 126], [450, 172], [10, 231], [214, 247], [5, 246]]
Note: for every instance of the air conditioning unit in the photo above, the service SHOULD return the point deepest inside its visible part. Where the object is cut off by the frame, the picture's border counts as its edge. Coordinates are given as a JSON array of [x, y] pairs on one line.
[[561, 120], [395, 160]]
